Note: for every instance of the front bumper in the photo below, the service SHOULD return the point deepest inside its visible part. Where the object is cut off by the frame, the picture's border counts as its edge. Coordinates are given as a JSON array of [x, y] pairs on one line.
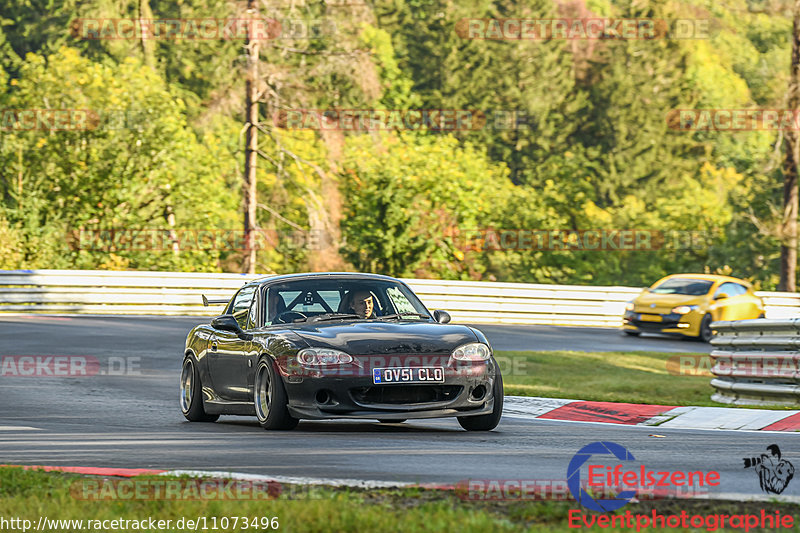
[[466, 391], [670, 324]]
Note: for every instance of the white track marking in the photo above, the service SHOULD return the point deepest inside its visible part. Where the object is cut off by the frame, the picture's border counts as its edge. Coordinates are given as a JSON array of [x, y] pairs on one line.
[[333, 482], [688, 417]]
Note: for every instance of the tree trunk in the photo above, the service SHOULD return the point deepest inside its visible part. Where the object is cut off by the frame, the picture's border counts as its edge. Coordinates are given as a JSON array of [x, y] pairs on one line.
[[791, 159], [251, 150], [147, 44]]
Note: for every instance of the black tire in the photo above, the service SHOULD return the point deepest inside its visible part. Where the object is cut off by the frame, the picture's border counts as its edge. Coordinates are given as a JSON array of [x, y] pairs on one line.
[[489, 421], [270, 399], [632, 333], [705, 329], [191, 395], [387, 421]]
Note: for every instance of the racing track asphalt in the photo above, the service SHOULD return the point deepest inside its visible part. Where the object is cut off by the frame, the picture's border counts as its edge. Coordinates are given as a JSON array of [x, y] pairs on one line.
[[133, 421]]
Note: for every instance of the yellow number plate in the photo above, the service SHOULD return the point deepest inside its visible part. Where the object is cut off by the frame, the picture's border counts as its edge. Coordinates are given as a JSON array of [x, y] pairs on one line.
[[650, 318]]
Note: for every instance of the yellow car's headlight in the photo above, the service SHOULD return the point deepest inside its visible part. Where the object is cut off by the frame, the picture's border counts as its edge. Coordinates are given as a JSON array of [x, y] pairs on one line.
[[629, 306], [683, 309]]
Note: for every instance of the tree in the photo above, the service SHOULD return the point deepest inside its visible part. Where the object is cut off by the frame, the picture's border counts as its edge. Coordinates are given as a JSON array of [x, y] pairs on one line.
[[133, 163], [251, 144], [790, 169], [411, 197]]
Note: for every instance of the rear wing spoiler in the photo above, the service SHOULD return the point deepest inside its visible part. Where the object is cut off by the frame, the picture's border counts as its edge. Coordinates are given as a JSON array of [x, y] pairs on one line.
[[207, 302]]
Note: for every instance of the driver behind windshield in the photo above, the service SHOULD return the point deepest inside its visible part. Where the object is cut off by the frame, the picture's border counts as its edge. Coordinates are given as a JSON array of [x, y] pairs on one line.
[[362, 304], [275, 306]]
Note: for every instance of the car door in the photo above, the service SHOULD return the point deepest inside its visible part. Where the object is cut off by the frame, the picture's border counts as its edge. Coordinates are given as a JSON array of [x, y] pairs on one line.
[[735, 306], [746, 305], [229, 352]]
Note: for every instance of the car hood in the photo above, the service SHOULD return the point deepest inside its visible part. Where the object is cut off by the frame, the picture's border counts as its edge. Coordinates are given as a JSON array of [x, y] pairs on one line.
[[662, 302], [386, 338]]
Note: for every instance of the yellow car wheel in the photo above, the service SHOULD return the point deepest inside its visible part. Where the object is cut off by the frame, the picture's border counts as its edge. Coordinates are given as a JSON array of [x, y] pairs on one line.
[[705, 329]]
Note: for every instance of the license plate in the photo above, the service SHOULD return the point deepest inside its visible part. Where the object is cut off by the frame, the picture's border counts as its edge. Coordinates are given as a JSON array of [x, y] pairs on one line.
[[408, 375], [650, 318]]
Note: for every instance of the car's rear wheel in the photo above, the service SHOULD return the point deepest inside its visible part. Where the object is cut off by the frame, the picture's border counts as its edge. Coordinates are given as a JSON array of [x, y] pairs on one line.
[[270, 398], [489, 421], [705, 329], [191, 398]]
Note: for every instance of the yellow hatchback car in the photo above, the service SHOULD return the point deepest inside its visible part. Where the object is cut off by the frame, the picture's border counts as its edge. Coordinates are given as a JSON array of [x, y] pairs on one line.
[[687, 304]]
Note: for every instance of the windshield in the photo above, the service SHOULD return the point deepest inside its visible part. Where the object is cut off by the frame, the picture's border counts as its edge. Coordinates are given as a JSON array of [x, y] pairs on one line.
[[317, 300], [688, 286]]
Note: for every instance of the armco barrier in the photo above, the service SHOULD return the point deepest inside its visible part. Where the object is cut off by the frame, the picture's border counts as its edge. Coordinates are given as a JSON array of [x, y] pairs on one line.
[[756, 362], [521, 303], [175, 293], [112, 292]]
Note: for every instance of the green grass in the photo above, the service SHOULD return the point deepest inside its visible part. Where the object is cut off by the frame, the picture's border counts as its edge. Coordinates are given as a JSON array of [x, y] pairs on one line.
[[632, 377], [31, 494]]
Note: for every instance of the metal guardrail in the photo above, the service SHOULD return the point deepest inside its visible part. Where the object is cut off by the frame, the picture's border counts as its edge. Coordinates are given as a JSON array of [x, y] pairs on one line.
[[522, 303], [175, 293], [756, 362], [114, 292]]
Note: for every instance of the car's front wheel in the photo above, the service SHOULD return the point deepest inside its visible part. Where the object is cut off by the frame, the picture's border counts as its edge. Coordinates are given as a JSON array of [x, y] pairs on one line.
[[192, 394], [270, 398], [489, 421], [705, 329]]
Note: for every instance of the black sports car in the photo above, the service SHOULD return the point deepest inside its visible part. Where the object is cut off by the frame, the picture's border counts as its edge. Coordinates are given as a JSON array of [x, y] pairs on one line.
[[316, 346]]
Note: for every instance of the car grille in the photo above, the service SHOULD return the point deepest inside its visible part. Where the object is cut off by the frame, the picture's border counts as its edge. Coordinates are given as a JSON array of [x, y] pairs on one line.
[[405, 394], [654, 326], [647, 310]]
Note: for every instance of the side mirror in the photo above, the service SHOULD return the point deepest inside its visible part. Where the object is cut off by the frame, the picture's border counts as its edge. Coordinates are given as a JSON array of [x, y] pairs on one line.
[[442, 317], [227, 323], [721, 296]]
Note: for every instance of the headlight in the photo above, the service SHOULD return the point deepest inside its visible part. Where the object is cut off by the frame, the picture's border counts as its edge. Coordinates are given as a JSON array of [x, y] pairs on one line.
[[629, 306], [477, 351], [683, 309], [323, 356]]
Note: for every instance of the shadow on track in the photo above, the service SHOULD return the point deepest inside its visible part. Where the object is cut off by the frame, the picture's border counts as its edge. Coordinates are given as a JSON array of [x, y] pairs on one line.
[[343, 426]]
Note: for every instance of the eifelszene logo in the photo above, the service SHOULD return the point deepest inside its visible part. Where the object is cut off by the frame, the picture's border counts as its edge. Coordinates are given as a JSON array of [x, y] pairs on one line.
[[574, 476], [774, 473], [626, 484]]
